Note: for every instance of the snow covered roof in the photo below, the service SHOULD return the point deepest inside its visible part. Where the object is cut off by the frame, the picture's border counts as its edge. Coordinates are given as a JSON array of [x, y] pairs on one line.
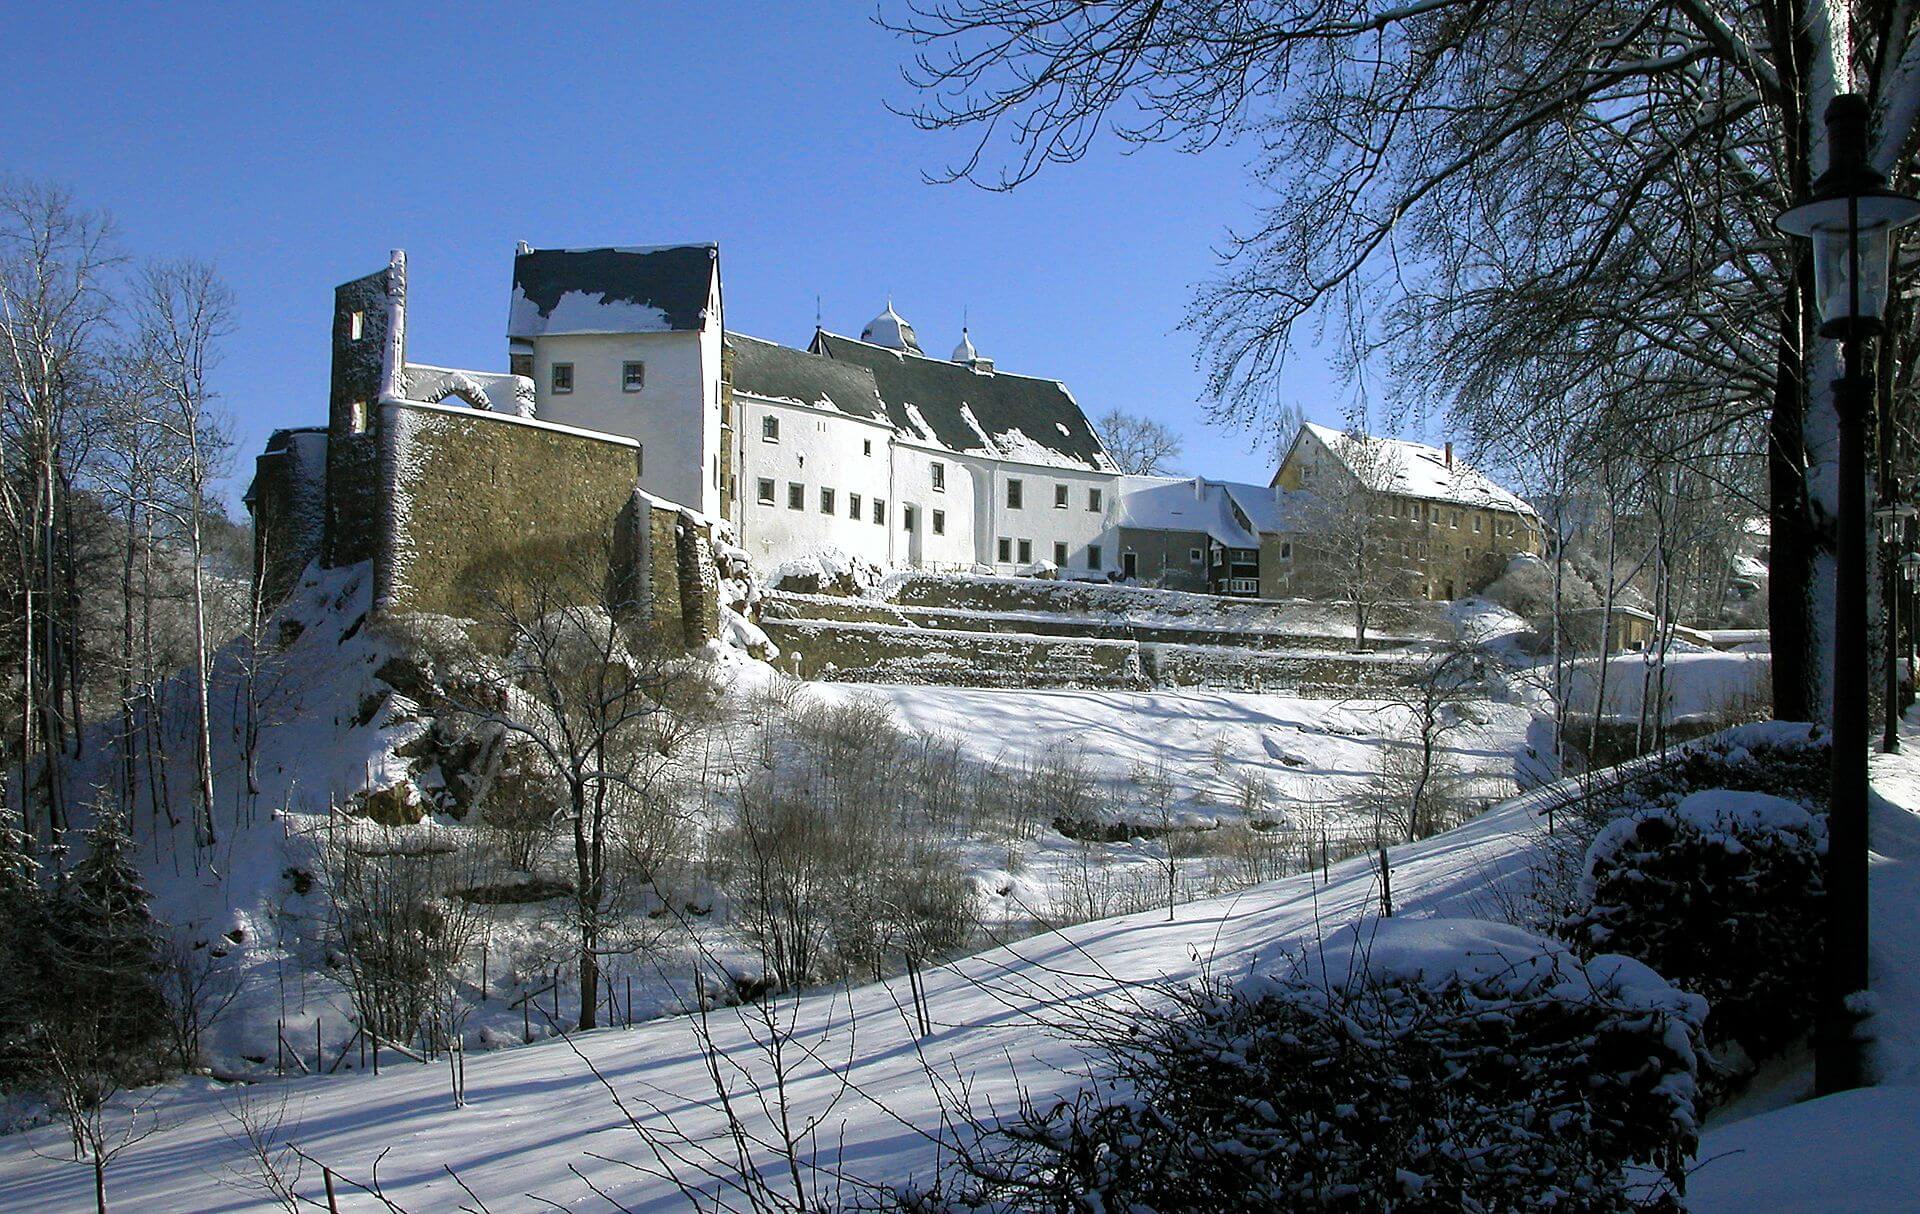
[[781, 373], [1013, 417], [1166, 503], [612, 290], [1423, 472], [1267, 508], [891, 330]]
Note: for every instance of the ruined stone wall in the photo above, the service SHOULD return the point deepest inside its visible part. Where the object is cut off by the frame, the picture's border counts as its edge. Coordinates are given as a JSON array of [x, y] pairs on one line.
[[360, 317], [288, 502]]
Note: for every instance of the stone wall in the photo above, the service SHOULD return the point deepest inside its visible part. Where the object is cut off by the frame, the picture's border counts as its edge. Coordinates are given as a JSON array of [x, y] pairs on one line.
[[360, 317], [879, 653], [288, 502], [481, 505]]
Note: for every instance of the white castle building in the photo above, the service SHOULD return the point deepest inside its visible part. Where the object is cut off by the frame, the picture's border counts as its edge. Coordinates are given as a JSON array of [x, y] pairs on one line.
[[863, 445], [871, 447]]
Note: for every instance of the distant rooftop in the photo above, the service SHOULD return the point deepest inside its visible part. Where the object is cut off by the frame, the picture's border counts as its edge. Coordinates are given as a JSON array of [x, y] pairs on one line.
[[1421, 471]]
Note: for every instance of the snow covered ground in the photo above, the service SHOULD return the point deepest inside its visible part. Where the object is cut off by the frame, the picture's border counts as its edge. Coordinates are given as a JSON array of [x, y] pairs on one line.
[[538, 1122], [1856, 1151]]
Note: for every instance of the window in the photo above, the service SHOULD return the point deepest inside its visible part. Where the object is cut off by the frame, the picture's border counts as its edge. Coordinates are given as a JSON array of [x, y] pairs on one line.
[[356, 326], [1286, 551], [1059, 497], [1193, 556], [562, 377], [1006, 550], [769, 429], [1243, 585], [1093, 499], [633, 376], [939, 522], [357, 417], [866, 446], [1476, 524], [1219, 556], [826, 501], [796, 496], [1060, 554], [909, 518], [1013, 495], [1416, 512], [880, 510], [520, 364], [939, 477], [1453, 518], [766, 491], [853, 506], [1026, 552], [1093, 553]]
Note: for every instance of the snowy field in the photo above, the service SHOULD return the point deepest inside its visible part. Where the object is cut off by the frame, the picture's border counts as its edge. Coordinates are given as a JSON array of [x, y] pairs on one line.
[[539, 1123], [1315, 753], [535, 1115]]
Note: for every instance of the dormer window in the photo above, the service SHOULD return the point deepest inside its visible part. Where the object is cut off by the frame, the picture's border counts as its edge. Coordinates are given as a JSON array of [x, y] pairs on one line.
[[562, 379], [633, 376]]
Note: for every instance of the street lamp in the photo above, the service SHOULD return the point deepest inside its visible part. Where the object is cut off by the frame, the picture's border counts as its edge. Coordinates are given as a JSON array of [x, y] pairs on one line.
[[1851, 220]]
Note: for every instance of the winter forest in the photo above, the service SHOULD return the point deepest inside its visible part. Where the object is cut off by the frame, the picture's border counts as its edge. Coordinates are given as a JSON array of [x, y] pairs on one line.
[[1459, 761]]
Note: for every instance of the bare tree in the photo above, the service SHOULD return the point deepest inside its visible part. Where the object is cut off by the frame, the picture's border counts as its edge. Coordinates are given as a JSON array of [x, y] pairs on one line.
[[55, 315], [1138, 445], [1503, 194], [608, 702], [1413, 795], [1352, 546], [183, 311]]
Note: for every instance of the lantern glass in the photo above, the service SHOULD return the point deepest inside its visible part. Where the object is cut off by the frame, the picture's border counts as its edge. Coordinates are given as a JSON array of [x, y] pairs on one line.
[[1828, 221], [1910, 566]]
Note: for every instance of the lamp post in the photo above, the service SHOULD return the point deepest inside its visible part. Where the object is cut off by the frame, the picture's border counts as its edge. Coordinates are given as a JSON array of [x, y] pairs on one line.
[[1850, 220]]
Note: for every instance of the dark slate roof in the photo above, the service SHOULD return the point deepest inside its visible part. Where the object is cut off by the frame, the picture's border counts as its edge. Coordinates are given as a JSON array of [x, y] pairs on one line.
[[1018, 417], [642, 290], [782, 373]]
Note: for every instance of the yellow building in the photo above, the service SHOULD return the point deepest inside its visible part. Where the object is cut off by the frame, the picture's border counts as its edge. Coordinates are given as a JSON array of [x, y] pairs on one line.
[[1447, 528]]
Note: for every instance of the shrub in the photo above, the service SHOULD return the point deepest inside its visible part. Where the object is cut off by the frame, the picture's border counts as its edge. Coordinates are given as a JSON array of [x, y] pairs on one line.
[[1722, 894], [1427, 1065]]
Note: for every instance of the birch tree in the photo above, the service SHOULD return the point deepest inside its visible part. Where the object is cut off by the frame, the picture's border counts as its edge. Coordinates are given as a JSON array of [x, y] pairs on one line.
[[55, 314], [183, 311]]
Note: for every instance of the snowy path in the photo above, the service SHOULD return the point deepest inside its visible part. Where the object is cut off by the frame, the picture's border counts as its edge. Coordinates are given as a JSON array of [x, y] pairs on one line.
[[1857, 1151], [535, 1112]]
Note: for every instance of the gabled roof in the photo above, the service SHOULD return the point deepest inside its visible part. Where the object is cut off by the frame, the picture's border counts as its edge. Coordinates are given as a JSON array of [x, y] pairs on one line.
[[1419, 471], [1012, 417], [612, 290], [781, 373], [1166, 503]]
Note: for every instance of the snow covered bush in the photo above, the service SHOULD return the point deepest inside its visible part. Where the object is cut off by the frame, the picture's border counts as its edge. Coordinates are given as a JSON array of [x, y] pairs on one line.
[[1722, 894], [1429, 1065]]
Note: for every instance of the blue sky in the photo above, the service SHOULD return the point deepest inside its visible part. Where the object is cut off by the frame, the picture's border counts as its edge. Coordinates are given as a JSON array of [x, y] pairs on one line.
[[293, 146]]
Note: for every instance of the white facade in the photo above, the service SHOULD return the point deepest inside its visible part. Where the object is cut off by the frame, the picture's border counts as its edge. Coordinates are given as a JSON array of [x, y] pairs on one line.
[[626, 369], [813, 482]]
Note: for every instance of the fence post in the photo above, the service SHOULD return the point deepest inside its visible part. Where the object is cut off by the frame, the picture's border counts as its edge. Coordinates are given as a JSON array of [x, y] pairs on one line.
[[333, 1204], [279, 1047], [1386, 886]]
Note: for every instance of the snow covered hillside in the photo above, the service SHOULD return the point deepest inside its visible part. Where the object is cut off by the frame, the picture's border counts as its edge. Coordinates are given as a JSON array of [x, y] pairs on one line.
[[536, 1114]]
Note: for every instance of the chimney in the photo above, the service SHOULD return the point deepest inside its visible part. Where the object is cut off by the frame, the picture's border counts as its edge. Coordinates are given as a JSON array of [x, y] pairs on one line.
[[1449, 456]]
